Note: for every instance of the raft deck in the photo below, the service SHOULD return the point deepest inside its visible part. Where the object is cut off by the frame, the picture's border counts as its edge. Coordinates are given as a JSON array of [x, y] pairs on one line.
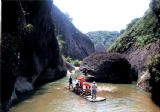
[[98, 99]]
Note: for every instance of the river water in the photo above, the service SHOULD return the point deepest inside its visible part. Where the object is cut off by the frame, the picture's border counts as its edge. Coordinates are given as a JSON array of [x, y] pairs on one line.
[[55, 97]]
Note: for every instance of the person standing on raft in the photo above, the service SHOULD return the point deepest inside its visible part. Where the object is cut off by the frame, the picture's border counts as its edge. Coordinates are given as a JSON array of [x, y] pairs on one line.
[[94, 90], [70, 83]]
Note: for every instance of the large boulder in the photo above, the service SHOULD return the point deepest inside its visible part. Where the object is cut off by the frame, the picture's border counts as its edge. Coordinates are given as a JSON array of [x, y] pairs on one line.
[[107, 67]]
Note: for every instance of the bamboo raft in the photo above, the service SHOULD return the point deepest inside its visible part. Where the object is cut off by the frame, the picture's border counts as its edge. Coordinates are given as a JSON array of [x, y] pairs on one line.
[[98, 99], [85, 93]]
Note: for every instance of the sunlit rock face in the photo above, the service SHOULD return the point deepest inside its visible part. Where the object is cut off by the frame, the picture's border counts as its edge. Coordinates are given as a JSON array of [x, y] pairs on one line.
[[76, 44], [107, 67], [30, 53], [143, 81]]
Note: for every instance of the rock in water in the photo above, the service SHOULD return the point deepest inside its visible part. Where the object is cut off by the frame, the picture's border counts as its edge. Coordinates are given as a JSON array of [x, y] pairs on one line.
[[107, 67]]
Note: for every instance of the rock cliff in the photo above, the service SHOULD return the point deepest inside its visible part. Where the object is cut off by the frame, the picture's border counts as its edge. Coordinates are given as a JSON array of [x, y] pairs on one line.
[[76, 44], [140, 43], [30, 52]]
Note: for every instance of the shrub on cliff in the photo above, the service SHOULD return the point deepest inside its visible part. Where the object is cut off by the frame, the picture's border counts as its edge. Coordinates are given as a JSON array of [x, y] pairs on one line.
[[72, 61], [154, 68], [60, 40], [76, 63], [139, 32]]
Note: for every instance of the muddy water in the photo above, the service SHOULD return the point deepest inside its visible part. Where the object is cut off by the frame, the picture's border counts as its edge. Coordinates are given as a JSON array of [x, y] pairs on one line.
[[54, 97]]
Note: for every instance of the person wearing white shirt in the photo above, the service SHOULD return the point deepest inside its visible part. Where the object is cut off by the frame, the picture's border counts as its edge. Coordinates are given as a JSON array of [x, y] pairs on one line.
[[94, 90]]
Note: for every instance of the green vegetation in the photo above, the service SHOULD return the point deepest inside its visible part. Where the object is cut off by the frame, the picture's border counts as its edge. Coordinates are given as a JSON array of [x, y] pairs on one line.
[[144, 40], [68, 59], [71, 61], [76, 63], [154, 67], [29, 28], [68, 17], [104, 37], [60, 41], [140, 32], [121, 44], [132, 23]]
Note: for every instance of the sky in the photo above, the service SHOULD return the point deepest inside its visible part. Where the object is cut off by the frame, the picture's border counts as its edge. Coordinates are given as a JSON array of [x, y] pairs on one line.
[[106, 15]]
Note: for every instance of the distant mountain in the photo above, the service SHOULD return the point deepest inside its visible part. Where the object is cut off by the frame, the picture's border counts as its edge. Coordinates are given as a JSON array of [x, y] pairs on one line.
[[104, 37], [100, 48]]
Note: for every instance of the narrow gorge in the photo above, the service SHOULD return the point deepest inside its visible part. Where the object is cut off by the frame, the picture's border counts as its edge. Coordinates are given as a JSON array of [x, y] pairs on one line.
[[40, 43], [30, 52]]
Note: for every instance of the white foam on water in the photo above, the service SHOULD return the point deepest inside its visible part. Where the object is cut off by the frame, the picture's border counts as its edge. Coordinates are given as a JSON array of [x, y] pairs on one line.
[[109, 89]]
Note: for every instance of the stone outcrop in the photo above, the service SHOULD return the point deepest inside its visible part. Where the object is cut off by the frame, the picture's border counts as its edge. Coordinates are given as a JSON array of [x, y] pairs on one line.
[[140, 43], [140, 57], [107, 67], [30, 52], [144, 80], [76, 44]]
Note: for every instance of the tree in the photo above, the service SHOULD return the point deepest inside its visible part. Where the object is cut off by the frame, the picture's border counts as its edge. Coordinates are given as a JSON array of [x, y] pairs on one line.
[[68, 17], [60, 41]]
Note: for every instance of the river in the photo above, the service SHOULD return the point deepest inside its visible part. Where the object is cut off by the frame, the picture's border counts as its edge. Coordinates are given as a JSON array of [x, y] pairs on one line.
[[54, 97]]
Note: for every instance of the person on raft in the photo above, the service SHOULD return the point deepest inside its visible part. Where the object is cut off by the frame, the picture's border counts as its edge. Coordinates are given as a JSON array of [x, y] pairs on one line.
[[87, 91], [85, 72], [70, 83], [94, 90]]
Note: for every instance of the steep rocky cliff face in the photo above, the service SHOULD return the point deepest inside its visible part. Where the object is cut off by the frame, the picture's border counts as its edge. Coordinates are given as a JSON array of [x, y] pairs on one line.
[[30, 52], [76, 44], [140, 42]]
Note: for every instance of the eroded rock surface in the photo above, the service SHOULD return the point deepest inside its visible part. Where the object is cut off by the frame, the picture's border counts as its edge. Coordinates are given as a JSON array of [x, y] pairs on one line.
[[107, 67]]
